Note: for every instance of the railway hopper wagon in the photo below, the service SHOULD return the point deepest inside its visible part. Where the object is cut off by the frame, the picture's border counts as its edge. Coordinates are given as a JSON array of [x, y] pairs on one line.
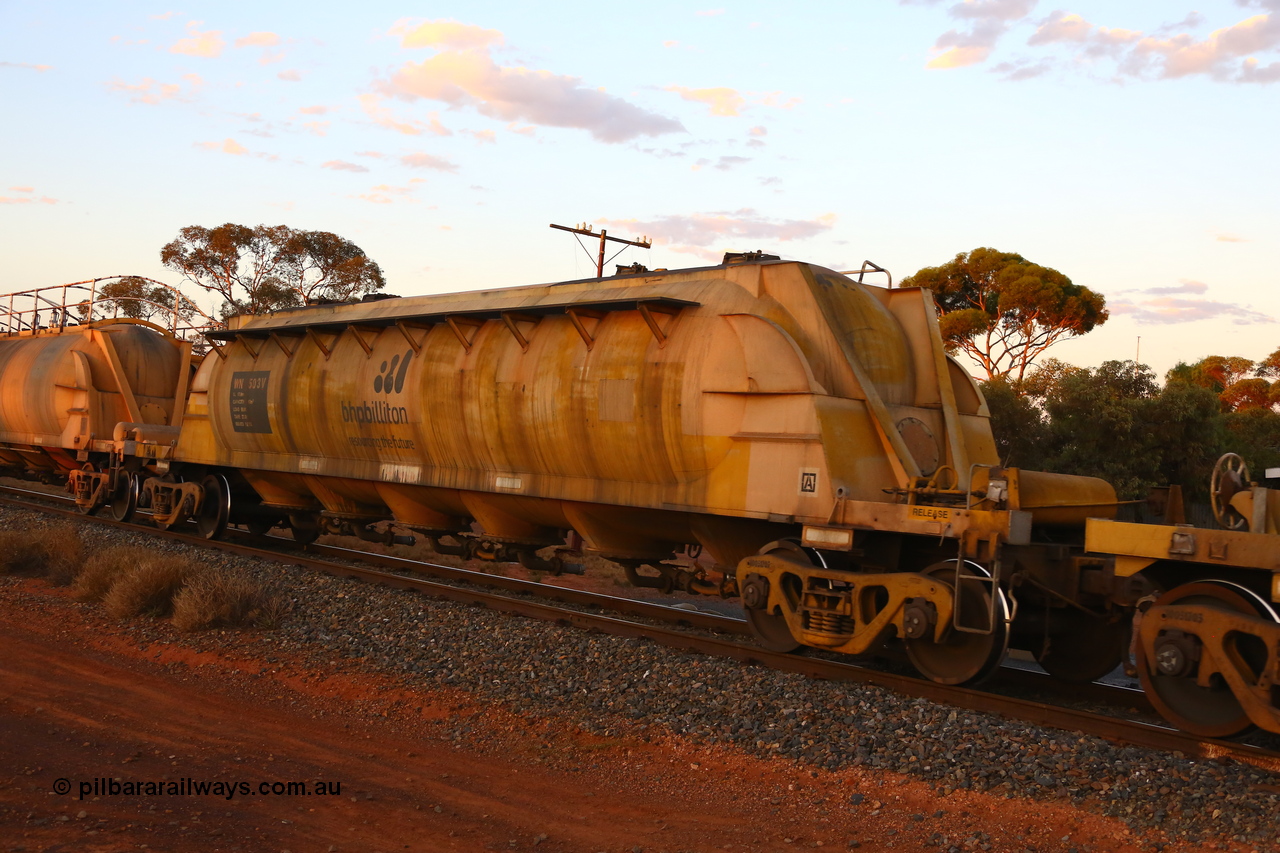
[[65, 393], [762, 428]]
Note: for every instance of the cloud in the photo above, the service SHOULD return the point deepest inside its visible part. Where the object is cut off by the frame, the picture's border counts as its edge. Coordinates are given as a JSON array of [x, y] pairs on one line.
[[1168, 310], [290, 76], [1059, 27], [227, 146], [388, 194], [759, 130], [27, 65], [419, 160], [207, 44], [1228, 54], [481, 136], [259, 39], [382, 116], [1165, 306], [317, 110], [724, 164], [993, 10], [319, 128], [722, 101], [463, 75], [446, 35], [987, 21], [343, 166], [1186, 286], [1023, 69], [708, 235], [264, 40], [1230, 238], [27, 197], [148, 91]]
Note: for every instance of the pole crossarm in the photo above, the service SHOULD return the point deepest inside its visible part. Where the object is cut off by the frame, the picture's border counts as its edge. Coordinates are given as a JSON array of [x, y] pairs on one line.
[[643, 243]]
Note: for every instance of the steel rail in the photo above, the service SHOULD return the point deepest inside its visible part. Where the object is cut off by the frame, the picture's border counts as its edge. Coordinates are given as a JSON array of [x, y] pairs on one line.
[[1009, 676], [1129, 732]]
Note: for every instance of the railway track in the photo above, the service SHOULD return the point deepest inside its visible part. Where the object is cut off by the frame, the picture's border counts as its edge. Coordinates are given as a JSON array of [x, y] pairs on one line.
[[513, 596]]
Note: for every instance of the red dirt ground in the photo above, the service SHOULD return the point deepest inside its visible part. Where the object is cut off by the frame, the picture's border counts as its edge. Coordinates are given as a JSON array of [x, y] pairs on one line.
[[81, 698]]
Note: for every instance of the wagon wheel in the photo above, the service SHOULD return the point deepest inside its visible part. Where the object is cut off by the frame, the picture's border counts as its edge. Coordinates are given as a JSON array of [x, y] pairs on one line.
[[771, 629], [124, 501], [305, 527], [261, 525], [1083, 648], [215, 509], [1230, 475], [1211, 711], [962, 657]]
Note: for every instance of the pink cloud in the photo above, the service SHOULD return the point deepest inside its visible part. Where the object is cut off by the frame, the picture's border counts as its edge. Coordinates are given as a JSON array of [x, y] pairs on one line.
[[207, 44], [372, 104], [226, 146], [26, 199], [37, 68], [290, 76], [388, 194], [709, 235], [988, 21], [463, 75], [259, 39], [148, 91], [724, 164], [1168, 305], [722, 101], [419, 160], [343, 166], [445, 35], [1228, 54]]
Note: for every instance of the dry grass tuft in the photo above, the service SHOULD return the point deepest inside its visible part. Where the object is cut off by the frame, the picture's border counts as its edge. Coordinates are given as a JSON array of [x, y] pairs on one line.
[[147, 588], [223, 598], [19, 553], [63, 554], [102, 569], [55, 553]]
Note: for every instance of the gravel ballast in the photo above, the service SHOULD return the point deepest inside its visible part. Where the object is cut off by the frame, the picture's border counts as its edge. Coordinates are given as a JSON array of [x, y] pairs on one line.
[[624, 687]]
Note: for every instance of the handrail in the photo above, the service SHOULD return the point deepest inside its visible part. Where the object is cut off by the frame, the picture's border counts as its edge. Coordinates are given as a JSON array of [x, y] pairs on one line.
[[20, 312]]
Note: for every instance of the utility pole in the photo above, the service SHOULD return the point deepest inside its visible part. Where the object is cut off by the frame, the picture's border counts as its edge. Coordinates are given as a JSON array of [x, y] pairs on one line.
[[587, 230], [1137, 354]]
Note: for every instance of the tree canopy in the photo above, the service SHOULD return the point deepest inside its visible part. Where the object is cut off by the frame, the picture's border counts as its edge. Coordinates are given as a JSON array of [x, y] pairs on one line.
[[1241, 384], [1005, 311], [265, 268], [1116, 422], [136, 297]]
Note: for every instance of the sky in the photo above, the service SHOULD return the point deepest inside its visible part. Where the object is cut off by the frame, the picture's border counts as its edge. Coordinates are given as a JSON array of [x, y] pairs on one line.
[[1132, 146]]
